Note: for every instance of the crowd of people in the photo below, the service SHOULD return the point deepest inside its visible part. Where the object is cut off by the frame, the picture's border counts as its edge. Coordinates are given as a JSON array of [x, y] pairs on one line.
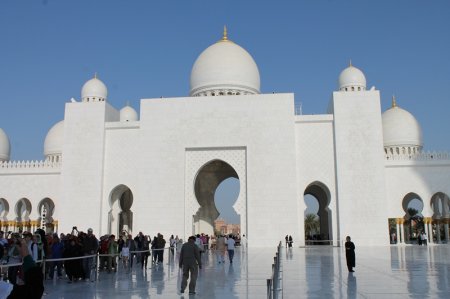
[[74, 255]]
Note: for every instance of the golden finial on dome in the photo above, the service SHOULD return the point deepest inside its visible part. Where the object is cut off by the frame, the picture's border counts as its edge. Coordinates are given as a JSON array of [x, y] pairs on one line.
[[95, 75], [225, 34], [350, 63], [394, 101]]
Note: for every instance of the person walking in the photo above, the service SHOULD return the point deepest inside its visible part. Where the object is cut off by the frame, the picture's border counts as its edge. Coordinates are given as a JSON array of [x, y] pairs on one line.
[[423, 238], [190, 262], [113, 251], [220, 249], [290, 241], [230, 247], [125, 255], [90, 247], [350, 254]]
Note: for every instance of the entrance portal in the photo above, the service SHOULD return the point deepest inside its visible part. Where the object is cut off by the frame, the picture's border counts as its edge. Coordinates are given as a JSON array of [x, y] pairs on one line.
[[412, 205], [318, 224], [120, 215], [208, 179]]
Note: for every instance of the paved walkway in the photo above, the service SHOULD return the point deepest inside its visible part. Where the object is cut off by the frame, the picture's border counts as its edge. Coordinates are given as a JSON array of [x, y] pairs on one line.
[[314, 272]]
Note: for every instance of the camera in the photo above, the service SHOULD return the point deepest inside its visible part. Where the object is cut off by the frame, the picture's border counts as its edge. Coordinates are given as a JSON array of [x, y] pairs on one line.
[[74, 228]]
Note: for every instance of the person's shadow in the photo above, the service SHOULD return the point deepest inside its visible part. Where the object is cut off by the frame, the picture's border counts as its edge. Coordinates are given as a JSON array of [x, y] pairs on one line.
[[351, 285]]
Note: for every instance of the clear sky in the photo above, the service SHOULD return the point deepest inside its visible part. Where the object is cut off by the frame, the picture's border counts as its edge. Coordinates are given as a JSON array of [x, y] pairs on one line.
[[146, 49]]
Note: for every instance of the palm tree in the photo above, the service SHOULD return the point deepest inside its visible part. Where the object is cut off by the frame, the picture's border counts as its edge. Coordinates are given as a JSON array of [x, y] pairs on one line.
[[312, 225]]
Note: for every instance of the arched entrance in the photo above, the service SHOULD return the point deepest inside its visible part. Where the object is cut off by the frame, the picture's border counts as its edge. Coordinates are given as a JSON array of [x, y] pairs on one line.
[[120, 217], [413, 206], [46, 208], [440, 204], [4, 210], [23, 211], [318, 215], [209, 177]]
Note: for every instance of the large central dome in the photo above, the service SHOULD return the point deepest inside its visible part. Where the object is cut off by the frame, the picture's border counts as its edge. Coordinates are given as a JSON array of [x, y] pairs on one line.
[[224, 68]]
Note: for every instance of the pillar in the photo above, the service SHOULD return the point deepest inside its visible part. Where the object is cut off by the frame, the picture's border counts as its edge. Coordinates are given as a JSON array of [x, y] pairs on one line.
[[397, 233], [446, 237], [428, 229], [401, 236]]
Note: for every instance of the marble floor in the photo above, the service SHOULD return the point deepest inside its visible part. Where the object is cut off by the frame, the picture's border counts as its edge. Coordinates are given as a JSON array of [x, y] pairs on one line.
[[311, 272]]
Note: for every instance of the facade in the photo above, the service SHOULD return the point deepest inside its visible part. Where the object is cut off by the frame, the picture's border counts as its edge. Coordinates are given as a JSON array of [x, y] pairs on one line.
[[115, 170]]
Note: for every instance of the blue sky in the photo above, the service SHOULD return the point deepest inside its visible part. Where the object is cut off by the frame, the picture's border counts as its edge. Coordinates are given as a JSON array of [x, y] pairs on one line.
[[145, 49]]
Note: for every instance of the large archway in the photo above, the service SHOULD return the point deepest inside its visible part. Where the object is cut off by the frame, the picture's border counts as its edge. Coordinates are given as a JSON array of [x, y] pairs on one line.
[[120, 216], [209, 177], [4, 210], [318, 230], [412, 205], [23, 211]]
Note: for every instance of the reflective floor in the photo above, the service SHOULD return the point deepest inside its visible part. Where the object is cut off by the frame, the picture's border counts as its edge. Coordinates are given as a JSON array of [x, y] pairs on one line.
[[314, 272]]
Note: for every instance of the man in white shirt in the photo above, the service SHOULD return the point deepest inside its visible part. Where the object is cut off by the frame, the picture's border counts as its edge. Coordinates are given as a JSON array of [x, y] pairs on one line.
[[230, 248]]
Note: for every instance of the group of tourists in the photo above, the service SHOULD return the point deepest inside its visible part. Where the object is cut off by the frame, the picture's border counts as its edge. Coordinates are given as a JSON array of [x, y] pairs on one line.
[[76, 253]]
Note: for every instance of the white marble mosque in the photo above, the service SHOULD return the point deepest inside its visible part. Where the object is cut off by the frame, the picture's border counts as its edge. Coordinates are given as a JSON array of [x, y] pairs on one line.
[[157, 170]]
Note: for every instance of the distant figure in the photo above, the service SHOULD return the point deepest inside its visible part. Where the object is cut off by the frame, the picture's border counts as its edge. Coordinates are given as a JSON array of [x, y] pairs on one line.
[[125, 254], [190, 262], [287, 240], [220, 249], [350, 254], [423, 237], [290, 242], [230, 248], [244, 243]]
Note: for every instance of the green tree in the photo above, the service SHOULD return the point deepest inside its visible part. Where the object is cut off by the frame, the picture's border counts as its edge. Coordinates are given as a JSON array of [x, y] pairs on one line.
[[312, 225]]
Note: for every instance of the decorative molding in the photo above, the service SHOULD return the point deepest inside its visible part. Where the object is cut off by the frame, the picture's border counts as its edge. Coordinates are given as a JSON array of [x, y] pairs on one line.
[[30, 167]]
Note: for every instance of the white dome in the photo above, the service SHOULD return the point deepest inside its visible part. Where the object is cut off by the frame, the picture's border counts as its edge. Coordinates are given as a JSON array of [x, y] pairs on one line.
[[94, 90], [5, 146], [127, 113], [352, 79], [400, 128], [224, 68], [54, 140]]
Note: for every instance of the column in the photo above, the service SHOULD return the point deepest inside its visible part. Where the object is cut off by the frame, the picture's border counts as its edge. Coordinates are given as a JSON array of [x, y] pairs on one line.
[[428, 230], [398, 233], [446, 229], [402, 231], [438, 231]]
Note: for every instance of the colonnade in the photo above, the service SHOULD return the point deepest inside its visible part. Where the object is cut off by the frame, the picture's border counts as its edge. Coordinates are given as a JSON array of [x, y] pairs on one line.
[[433, 236], [27, 225]]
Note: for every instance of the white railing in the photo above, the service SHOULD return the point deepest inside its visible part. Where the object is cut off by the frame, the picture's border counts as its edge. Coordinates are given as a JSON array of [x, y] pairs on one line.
[[42, 166], [422, 156]]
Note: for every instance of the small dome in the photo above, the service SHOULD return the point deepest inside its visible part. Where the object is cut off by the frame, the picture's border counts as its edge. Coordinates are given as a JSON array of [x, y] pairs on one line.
[[54, 140], [94, 90], [127, 113], [352, 79], [224, 68], [5, 146], [400, 128]]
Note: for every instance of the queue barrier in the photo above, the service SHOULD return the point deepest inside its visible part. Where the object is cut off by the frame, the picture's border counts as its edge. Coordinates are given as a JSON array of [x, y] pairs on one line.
[[95, 264], [274, 283]]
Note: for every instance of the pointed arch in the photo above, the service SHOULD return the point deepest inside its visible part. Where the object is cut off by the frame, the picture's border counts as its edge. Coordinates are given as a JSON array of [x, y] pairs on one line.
[[322, 194], [120, 216]]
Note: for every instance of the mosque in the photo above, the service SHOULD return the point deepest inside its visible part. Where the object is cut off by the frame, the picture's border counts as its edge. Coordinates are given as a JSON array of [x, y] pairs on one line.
[[115, 170]]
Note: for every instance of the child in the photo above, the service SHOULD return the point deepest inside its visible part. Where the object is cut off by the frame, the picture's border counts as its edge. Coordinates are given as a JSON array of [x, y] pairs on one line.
[[125, 253]]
